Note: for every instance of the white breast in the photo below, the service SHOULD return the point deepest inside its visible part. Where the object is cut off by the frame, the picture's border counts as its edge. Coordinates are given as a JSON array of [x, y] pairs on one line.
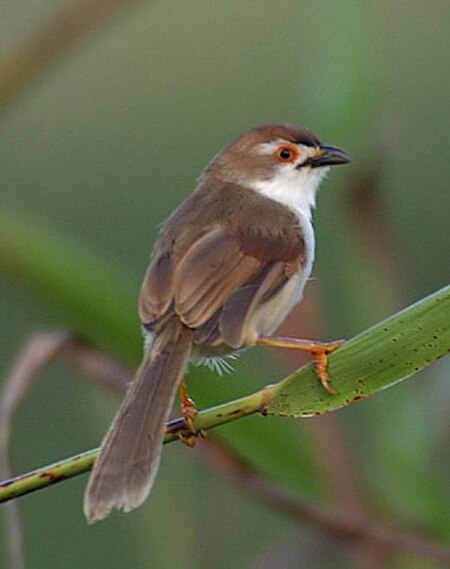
[[296, 190]]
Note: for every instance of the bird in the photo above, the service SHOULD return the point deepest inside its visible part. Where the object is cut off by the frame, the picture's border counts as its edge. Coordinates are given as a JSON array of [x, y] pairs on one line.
[[228, 266]]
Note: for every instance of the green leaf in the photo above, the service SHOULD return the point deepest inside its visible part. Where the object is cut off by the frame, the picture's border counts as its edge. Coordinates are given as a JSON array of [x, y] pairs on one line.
[[378, 358], [89, 295]]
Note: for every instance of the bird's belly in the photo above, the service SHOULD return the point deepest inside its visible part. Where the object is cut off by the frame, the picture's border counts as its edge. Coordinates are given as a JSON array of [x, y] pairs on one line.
[[264, 322], [271, 314]]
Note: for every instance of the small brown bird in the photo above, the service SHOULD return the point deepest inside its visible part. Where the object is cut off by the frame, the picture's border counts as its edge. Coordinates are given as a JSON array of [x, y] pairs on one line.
[[229, 264]]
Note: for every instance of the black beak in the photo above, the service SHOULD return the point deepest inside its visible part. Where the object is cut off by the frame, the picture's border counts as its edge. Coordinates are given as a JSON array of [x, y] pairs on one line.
[[328, 156]]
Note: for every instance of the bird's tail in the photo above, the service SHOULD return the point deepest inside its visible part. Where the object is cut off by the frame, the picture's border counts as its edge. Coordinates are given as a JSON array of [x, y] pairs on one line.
[[130, 453]]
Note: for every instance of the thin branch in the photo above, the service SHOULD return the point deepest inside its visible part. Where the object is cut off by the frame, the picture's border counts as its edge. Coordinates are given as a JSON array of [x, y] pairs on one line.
[[338, 525], [93, 363], [50, 42], [73, 466], [331, 454], [40, 350]]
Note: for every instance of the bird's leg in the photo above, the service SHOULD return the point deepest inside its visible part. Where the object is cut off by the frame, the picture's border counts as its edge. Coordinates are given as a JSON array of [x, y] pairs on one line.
[[319, 351], [188, 407], [189, 411]]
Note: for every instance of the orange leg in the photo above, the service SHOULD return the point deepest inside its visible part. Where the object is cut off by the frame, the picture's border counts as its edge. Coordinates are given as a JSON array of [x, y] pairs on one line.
[[188, 407], [318, 350], [189, 411]]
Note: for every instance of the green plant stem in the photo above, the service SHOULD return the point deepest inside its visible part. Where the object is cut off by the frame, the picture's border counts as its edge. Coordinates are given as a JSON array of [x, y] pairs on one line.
[[69, 467], [379, 357]]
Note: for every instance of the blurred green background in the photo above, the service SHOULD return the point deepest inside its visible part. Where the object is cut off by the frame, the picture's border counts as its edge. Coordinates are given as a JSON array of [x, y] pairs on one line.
[[106, 143]]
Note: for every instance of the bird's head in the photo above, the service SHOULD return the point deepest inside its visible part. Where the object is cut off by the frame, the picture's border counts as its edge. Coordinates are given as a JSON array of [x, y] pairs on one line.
[[281, 162]]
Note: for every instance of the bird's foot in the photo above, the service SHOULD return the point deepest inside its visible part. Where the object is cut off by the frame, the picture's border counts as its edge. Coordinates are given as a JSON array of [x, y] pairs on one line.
[[319, 351]]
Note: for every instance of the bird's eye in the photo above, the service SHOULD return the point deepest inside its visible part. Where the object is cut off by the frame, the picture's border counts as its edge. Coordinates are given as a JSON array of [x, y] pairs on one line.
[[286, 153]]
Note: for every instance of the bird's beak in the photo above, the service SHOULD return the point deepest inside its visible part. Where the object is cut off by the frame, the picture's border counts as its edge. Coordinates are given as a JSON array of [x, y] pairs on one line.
[[328, 156]]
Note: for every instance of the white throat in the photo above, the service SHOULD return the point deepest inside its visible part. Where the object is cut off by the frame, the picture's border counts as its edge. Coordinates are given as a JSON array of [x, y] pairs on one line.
[[297, 190], [293, 188]]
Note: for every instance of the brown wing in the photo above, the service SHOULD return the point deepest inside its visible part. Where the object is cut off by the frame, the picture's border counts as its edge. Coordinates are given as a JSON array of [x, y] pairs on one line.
[[210, 272], [228, 324], [219, 281], [205, 276]]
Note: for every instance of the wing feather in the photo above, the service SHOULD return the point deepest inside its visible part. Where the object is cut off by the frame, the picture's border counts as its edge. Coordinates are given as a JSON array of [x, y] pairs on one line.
[[157, 289], [208, 274], [242, 305], [217, 283]]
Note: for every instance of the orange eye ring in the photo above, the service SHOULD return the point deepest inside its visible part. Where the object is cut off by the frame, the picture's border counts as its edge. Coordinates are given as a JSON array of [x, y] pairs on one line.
[[287, 153]]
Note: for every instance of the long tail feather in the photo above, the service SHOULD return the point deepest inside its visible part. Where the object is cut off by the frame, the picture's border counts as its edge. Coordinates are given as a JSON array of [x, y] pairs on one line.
[[129, 458]]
